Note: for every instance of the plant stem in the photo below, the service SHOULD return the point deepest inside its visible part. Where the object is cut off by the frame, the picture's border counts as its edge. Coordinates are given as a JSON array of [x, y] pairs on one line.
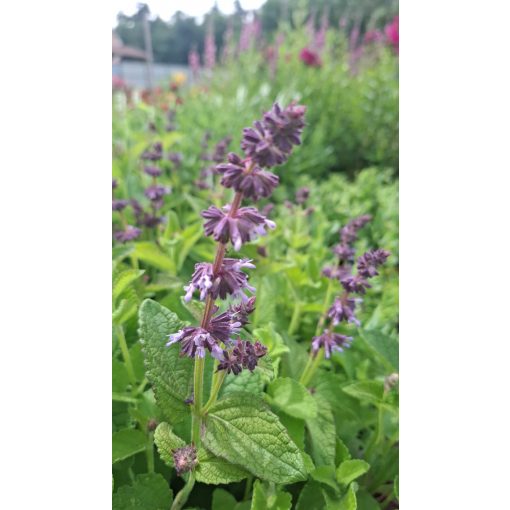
[[378, 432], [311, 367], [217, 381], [198, 385], [149, 452], [247, 489], [182, 495], [125, 354], [296, 317], [327, 304]]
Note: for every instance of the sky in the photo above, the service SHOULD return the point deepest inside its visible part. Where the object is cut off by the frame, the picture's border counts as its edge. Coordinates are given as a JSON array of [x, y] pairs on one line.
[[166, 8]]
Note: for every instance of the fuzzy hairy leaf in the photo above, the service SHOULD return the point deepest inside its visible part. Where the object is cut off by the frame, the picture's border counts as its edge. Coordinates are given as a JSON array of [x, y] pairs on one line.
[[250, 382], [215, 470], [148, 492], [170, 374], [293, 398], [269, 498], [351, 469], [127, 442], [322, 434], [122, 281], [241, 428]]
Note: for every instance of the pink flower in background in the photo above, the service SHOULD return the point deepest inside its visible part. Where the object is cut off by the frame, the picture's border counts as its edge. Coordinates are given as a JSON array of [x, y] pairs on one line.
[[320, 37], [210, 48], [194, 62], [250, 32], [373, 37], [310, 58], [391, 32], [227, 42], [118, 83]]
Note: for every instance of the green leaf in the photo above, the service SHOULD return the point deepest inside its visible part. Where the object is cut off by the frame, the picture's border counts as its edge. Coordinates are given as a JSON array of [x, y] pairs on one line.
[[295, 428], [293, 398], [342, 452], [123, 280], [166, 441], [370, 391], [148, 492], [351, 469], [250, 382], [347, 502], [269, 498], [120, 378], [311, 498], [122, 251], [126, 308], [384, 345], [222, 500], [395, 487], [325, 475], [243, 430], [366, 501], [153, 255], [322, 434], [271, 339], [215, 470], [170, 374], [127, 442]]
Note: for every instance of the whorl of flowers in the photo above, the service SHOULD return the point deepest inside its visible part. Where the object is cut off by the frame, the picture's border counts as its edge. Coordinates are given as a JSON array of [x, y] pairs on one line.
[[343, 308], [194, 62], [209, 48], [128, 232], [185, 459], [279, 130]]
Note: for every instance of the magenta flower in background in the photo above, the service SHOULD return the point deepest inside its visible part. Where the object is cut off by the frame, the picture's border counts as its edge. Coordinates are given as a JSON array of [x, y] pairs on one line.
[[210, 48], [373, 37], [310, 58], [391, 31], [194, 62]]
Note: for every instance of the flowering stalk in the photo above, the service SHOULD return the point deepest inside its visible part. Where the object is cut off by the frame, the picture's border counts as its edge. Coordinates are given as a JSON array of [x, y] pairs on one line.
[[343, 308], [268, 144]]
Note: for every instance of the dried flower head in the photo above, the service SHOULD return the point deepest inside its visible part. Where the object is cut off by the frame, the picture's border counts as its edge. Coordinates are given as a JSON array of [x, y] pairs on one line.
[[185, 459]]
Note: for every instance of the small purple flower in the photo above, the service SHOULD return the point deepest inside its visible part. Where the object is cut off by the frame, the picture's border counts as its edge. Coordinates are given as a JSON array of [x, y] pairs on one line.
[[244, 355], [195, 340], [153, 171], [175, 158], [230, 363], [343, 309], [230, 280], [220, 149], [185, 459], [119, 205], [270, 141], [356, 284], [336, 272], [128, 234], [349, 233], [241, 311], [156, 192], [255, 183], [151, 220], [331, 342], [302, 195], [246, 224], [155, 153], [344, 252], [368, 262], [114, 183]]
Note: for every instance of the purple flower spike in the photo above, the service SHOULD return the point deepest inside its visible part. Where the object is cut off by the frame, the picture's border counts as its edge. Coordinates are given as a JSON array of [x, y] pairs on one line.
[[241, 311], [331, 342], [128, 234], [343, 309], [119, 205], [156, 192], [244, 355], [230, 280], [194, 341], [369, 261], [153, 171], [245, 225], [344, 252], [255, 184], [349, 233], [356, 284]]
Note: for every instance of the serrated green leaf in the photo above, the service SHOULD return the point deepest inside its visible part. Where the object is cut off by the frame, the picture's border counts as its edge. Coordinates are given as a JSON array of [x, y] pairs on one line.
[[127, 442], [311, 498], [215, 470], [370, 391], [249, 382], [243, 430], [269, 498], [166, 441], [151, 254], [293, 398], [170, 374], [351, 469], [322, 434], [122, 281], [148, 492]]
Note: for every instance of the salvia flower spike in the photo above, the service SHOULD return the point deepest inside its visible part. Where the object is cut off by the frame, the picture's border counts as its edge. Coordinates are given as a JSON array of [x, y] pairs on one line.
[[268, 145]]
